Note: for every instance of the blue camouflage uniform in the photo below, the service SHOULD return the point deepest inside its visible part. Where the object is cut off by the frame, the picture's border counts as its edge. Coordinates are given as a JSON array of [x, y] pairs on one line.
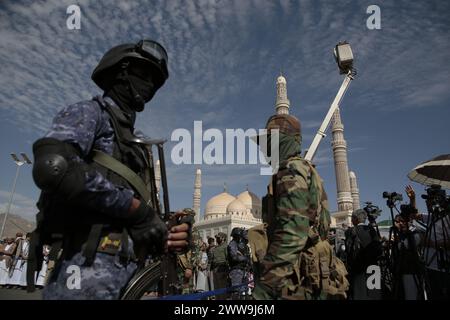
[[238, 259], [87, 126]]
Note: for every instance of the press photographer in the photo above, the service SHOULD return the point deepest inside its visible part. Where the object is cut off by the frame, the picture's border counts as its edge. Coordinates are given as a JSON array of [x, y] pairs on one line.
[[436, 248], [363, 248], [406, 265]]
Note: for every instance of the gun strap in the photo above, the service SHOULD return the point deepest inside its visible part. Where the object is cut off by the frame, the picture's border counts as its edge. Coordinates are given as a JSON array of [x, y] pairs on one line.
[[122, 170], [92, 243]]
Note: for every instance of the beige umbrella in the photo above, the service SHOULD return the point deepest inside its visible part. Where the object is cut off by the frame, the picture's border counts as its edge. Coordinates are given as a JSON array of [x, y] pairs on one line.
[[434, 171]]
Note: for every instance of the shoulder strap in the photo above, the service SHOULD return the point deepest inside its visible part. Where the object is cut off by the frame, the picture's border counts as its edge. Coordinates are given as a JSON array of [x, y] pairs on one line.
[[122, 170]]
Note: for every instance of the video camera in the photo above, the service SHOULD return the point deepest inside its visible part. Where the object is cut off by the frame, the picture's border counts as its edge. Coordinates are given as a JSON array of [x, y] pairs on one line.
[[437, 199], [406, 211], [373, 211], [392, 197]]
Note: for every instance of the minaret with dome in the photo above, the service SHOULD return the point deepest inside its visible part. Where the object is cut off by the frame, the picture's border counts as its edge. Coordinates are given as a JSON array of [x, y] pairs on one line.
[[282, 104]]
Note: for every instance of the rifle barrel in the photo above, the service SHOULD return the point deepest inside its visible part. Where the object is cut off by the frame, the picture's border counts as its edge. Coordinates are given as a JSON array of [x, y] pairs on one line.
[[162, 164]]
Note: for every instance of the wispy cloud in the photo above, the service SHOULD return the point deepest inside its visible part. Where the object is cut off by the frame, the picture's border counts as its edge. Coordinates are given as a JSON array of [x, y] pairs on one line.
[[224, 56], [21, 205]]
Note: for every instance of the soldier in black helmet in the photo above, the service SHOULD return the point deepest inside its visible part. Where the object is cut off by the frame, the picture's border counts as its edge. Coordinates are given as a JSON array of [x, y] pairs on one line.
[[90, 167], [239, 261]]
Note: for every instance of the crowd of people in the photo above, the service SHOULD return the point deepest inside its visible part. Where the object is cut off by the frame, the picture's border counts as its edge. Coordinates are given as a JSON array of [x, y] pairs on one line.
[[411, 262], [217, 265], [413, 259], [14, 261]]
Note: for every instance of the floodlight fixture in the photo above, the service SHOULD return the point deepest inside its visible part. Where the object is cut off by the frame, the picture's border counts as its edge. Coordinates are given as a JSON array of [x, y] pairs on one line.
[[344, 57], [25, 158], [16, 159], [21, 162]]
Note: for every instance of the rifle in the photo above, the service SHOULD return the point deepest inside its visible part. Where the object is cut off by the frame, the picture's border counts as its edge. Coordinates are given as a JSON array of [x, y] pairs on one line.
[[15, 257], [161, 273]]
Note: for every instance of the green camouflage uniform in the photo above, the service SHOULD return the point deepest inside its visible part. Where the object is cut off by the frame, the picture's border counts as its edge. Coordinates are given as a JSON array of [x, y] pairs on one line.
[[184, 263], [298, 198], [219, 265], [188, 260]]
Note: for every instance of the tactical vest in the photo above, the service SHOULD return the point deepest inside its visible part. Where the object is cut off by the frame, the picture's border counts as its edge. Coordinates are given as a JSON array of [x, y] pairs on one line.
[[74, 228], [219, 256]]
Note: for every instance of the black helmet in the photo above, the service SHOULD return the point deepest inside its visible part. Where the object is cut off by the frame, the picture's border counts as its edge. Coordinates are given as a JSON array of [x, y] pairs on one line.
[[145, 50], [236, 232]]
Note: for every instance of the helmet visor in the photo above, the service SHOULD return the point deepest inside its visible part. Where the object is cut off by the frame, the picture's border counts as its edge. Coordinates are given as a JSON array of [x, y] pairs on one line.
[[153, 51]]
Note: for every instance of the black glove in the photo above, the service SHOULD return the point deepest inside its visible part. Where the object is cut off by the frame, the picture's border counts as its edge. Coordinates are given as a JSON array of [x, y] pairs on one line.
[[146, 229]]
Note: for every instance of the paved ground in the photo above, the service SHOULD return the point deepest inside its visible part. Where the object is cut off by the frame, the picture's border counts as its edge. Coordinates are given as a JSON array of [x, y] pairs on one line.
[[18, 294]]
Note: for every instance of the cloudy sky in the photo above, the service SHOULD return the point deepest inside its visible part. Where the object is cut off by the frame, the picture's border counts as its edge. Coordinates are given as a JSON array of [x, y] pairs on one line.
[[224, 57]]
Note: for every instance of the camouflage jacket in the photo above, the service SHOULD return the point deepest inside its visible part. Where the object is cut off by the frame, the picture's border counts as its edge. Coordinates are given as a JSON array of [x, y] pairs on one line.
[[185, 260], [299, 191]]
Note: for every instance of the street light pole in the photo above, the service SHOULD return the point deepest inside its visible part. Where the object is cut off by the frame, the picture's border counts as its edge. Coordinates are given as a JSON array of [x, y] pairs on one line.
[[19, 163]]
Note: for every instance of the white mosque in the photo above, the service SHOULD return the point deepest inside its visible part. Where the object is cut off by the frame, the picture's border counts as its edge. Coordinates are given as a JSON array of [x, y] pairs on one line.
[[225, 211]]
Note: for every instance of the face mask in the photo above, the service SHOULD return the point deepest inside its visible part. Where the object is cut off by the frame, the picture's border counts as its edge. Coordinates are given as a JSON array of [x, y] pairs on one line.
[[145, 90], [145, 82]]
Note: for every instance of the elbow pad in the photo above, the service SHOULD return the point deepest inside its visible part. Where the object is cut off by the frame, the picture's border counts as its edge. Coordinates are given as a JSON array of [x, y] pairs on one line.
[[54, 168]]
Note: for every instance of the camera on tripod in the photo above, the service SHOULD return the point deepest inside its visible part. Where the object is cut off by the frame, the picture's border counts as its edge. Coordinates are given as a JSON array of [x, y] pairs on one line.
[[373, 211], [437, 198], [393, 196]]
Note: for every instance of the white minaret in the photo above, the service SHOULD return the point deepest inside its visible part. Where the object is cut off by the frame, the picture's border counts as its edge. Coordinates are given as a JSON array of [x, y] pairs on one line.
[[354, 190], [344, 196], [197, 194], [282, 104], [158, 177]]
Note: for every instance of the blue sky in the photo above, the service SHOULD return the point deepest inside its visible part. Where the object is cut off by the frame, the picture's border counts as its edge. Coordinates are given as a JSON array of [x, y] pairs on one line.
[[224, 57]]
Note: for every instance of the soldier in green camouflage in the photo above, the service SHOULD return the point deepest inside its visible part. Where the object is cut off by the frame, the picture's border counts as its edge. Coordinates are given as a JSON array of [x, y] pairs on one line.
[[294, 209], [187, 260], [219, 264]]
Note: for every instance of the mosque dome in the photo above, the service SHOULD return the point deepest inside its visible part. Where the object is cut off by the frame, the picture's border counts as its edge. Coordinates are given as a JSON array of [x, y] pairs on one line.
[[249, 199], [218, 204], [236, 206], [251, 202]]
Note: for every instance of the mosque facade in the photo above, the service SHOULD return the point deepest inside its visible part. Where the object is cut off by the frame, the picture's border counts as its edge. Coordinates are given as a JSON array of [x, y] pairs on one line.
[[225, 211]]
